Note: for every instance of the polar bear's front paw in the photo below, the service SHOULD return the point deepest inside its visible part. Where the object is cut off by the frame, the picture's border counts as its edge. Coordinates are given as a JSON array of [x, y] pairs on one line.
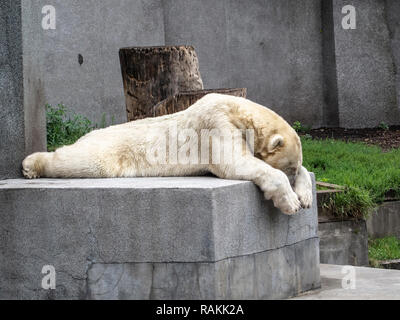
[[305, 196], [288, 203], [30, 167], [303, 188]]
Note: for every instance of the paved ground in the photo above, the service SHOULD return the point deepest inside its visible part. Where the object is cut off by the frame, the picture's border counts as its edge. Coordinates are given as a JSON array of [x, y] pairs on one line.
[[370, 284]]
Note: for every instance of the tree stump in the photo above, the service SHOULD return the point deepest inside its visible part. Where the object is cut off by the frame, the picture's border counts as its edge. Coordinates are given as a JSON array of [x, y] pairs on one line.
[[184, 100], [152, 74]]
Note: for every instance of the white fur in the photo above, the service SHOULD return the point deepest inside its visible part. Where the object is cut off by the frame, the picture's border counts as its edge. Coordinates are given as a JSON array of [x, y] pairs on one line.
[[120, 151]]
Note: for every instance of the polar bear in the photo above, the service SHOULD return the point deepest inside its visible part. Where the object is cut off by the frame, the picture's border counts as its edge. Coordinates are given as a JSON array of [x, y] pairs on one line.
[[272, 159]]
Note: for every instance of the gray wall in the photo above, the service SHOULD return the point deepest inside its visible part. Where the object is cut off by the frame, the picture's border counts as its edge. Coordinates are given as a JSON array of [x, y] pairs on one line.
[[272, 47], [385, 220], [365, 66], [96, 29], [393, 21], [22, 128], [343, 242], [11, 89], [293, 56], [35, 79]]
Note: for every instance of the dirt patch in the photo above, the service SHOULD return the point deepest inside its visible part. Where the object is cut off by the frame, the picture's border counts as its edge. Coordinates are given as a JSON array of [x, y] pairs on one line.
[[386, 139]]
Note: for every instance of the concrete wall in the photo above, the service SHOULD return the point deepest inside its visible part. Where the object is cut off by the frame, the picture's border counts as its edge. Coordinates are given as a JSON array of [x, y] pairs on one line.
[[385, 221], [330, 89], [22, 128], [293, 56], [95, 29], [343, 242], [35, 78], [11, 89], [392, 15], [365, 66], [272, 47]]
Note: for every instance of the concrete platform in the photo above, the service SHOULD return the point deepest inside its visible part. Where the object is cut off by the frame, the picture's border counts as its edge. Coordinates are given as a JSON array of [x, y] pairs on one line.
[[152, 238], [370, 284]]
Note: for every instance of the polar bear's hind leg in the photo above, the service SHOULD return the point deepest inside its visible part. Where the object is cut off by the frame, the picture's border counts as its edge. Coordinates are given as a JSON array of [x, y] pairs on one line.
[[33, 166], [65, 162]]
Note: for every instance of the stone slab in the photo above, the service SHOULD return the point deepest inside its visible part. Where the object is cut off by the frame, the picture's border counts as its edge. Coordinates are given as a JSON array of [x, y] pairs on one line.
[[79, 226], [250, 276]]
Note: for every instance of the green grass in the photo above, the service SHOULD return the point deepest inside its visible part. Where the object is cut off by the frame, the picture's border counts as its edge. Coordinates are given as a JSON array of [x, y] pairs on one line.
[[387, 248], [64, 128], [366, 172]]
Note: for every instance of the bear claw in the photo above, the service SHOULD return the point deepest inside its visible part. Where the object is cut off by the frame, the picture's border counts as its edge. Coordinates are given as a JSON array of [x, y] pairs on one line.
[[289, 204], [305, 198]]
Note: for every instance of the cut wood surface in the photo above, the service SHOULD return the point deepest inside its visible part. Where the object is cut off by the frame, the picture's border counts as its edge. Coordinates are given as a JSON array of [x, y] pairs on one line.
[[329, 185], [152, 74], [183, 100]]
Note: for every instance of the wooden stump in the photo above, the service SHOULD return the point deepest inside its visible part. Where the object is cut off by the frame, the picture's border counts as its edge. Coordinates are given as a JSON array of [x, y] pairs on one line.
[[152, 74], [183, 100]]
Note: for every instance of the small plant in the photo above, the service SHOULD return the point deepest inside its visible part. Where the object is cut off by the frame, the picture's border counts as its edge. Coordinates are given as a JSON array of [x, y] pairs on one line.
[[384, 126], [297, 126], [64, 129], [307, 136], [103, 122], [352, 202], [300, 128]]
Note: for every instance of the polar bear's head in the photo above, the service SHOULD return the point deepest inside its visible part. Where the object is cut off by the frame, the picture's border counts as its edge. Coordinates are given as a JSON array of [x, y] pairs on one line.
[[282, 150], [275, 141]]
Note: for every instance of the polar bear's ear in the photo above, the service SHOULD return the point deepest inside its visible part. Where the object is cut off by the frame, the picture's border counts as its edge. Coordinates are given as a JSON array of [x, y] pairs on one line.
[[275, 142]]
